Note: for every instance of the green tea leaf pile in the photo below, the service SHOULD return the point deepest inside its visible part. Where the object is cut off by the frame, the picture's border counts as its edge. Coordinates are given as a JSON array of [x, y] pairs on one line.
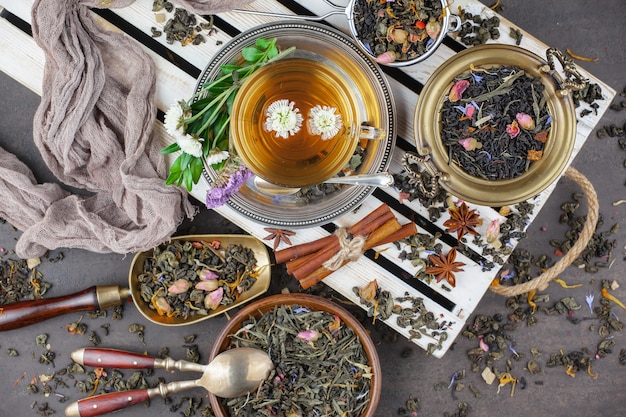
[[321, 366], [185, 278]]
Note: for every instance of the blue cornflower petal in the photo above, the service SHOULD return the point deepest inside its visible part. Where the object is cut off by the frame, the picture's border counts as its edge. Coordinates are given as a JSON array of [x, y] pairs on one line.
[[477, 77]]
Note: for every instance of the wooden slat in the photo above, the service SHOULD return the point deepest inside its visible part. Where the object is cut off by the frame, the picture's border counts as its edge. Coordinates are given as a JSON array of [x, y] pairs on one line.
[[27, 59]]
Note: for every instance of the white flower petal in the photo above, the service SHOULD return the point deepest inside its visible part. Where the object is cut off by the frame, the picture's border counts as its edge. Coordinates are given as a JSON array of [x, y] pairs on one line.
[[216, 156], [324, 122], [282, 118], [173, 120], [190, 145]]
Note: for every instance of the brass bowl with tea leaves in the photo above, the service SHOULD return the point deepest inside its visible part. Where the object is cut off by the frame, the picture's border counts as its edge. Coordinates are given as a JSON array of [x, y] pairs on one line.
[[342, 330], [434, 156], [147, 260]]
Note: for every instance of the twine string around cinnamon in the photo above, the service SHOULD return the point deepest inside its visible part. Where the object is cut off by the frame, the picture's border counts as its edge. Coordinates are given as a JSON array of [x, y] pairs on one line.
[[350, 249]]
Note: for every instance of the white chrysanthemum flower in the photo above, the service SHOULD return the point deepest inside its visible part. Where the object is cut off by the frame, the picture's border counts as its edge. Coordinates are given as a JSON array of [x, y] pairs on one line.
[[324, 122], [191, 145], [216, 156], [174, 120], [283, 119]]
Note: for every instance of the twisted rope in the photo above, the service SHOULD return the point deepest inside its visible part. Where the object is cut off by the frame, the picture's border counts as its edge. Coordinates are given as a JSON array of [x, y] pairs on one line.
[[542, 281]]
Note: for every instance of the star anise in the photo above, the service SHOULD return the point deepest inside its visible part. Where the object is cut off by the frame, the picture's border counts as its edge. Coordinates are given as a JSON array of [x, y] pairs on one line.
[[279, 235], [444, 266], [462, 220]]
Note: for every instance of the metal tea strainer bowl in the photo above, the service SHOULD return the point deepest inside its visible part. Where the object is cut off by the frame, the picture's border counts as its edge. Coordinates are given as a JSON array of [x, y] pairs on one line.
[[358, 17]]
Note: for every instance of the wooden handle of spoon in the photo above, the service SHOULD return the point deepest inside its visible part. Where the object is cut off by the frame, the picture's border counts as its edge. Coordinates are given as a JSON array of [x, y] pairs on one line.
[[112, 358], [114, 401], [107, 403], [115, 358], [25, 313]]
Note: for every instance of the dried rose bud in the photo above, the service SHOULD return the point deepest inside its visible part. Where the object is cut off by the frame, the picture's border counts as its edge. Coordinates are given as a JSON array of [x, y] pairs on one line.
[[397, 35], [470, 144], [179, 286], [309, 335], [493, 230], [525, 121], [457, 90], [213, 299], [492, 234], [513, 129], [386, 58], [433, 28], [206, 274], [209, 285], [162, 305]]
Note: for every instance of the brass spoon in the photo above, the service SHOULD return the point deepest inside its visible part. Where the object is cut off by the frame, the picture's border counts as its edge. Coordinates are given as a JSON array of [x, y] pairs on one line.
[[376, 180], [231, 374]]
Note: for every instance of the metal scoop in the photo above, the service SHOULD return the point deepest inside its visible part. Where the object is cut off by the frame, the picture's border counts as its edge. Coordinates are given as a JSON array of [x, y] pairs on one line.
[[231, 374], [376, 180]]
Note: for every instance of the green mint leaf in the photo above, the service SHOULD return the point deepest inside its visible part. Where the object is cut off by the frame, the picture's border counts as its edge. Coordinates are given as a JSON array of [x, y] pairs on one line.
[[185, 159], [173, 178], [228, 69], [196, 169], [272, 52], [176, 165], [171, 148], [230, 101], [188, 179], [264, 44], [251, 54]]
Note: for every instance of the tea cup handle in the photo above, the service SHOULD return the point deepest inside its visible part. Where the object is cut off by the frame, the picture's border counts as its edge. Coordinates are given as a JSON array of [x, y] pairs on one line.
[[371, 133], [428, 187]]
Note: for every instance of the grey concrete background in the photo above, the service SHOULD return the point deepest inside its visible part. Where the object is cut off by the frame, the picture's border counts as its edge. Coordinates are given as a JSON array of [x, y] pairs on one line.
[[593, 29]]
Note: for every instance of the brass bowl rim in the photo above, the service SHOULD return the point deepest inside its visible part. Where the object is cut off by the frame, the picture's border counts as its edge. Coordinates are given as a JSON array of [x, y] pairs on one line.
[[259, 307], [542, 174]]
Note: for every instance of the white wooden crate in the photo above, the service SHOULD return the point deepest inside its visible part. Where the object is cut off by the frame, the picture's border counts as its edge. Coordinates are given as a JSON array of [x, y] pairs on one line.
[[23, 60]]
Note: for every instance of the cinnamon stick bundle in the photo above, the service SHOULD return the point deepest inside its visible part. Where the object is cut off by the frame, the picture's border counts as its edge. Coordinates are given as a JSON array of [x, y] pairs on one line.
[[303, 249], [304, 267], [400, 232], [305, 262]]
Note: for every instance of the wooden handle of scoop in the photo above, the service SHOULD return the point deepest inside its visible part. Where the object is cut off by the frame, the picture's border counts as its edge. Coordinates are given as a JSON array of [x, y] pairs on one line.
[[25, 313]]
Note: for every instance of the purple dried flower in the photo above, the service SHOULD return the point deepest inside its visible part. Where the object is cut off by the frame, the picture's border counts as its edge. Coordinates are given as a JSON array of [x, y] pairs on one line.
[[219, 194], [589, 300], [477, 77]]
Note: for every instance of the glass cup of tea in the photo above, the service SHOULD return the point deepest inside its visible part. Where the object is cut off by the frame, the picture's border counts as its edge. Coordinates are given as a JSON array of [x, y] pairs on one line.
[[297, 122]]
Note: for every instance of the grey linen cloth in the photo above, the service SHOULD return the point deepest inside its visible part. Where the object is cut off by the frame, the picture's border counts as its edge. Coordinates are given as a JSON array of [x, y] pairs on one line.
[[94, 129]]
